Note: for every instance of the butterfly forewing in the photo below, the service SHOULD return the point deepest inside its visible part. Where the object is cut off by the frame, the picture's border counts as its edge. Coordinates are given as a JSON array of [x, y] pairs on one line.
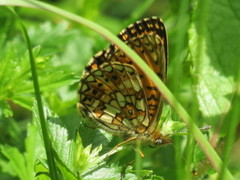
[[116, 93]]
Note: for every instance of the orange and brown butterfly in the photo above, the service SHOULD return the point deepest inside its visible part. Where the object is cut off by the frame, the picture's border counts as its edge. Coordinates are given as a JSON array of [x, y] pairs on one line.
[[114, 92]]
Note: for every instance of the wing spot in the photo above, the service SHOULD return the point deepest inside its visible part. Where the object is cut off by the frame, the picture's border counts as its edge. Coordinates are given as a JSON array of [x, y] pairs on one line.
[[94, 91], [115, 77]]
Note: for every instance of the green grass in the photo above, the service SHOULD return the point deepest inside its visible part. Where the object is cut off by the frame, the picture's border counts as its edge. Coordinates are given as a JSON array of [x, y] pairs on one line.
[[202, 75]]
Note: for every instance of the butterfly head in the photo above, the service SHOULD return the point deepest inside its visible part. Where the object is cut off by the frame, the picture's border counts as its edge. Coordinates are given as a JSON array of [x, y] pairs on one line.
[[162, 141], [157, 139]]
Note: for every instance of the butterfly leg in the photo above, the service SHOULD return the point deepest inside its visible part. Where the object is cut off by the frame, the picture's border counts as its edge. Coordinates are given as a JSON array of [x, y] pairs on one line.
[[120, 144], [139, 151]]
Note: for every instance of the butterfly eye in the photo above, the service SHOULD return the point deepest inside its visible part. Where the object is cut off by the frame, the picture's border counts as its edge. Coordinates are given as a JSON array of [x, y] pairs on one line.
[[158, 141]]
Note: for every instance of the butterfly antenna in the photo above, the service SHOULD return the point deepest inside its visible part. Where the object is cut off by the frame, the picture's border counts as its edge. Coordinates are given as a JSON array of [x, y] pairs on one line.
[[186, 131]]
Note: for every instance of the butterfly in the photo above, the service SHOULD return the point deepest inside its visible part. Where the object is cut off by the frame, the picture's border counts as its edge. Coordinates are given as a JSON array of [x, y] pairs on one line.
[[114, 92]]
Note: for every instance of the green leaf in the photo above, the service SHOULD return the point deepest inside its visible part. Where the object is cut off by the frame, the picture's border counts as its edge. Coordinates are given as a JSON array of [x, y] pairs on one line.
[[41, 171], [5, 110], [214, 34], [108, 173], [21, 164], [166, 125], [16, 83], [72, 157]]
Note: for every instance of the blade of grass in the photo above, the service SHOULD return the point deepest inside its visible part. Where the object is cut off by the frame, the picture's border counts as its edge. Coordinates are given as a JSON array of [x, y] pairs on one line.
[[167, 95], [232, 129], [138, 161], [181, 26], [47, 142]]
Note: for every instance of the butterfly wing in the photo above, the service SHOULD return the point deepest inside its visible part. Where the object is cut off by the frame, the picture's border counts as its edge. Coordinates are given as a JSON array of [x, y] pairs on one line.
[[148, 38], [113, 97], [115, 93]]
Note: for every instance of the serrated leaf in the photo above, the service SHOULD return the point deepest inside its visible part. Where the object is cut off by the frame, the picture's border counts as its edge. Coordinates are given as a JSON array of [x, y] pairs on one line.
[[5, 110], [104, 173], [21, 164], [74, 158], [167, 126], [16, 84]]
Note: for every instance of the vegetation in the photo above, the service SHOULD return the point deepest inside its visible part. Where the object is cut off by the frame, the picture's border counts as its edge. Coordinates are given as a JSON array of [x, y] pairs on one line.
[[44, 50]]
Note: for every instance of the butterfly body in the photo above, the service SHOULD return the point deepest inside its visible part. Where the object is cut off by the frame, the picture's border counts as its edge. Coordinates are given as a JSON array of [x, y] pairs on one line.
[[116, 94]]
